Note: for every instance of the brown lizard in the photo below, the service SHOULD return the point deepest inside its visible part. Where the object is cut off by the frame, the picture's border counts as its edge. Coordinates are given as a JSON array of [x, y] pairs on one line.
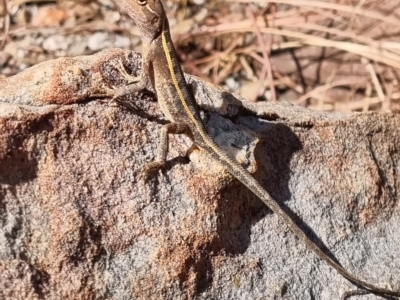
[[161, 66]]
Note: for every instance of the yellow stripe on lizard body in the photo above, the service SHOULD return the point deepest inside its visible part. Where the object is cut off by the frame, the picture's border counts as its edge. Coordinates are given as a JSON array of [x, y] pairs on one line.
[[200, 130]]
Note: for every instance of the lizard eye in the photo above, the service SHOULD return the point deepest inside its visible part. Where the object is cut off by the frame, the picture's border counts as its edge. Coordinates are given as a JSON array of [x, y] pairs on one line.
[[142, 2]]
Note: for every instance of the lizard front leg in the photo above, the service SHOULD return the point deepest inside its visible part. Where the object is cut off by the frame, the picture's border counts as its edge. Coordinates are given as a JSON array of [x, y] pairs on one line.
[[135, 83], [162, 151]]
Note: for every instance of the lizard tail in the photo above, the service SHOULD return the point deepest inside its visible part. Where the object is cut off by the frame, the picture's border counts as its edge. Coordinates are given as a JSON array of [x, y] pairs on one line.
[[245, 177]]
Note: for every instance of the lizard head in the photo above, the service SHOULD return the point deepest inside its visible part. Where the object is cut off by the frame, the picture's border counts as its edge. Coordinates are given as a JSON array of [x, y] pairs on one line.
[[149, 16]]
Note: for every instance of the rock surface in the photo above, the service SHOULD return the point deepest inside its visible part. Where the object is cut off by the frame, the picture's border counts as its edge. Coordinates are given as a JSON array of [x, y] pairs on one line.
[[76, 223]]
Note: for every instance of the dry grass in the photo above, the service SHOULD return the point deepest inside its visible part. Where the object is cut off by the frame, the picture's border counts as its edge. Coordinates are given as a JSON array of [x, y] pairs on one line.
[[339, 55], [327, 55]]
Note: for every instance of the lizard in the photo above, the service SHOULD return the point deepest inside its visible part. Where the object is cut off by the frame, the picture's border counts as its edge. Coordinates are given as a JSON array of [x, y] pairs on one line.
[[160, 65]]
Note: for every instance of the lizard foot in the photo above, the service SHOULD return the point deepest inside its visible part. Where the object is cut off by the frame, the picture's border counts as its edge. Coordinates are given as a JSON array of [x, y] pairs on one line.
[[129, 78], [134, 84], [149, 169]]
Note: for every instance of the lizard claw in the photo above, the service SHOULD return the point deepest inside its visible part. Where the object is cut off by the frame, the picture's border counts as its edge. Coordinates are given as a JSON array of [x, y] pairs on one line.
[[149, 169], [116, 92], [128, 78]]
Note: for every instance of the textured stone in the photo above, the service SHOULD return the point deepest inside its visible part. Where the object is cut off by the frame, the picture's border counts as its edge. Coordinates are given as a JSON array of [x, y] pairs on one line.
[[77, 224]]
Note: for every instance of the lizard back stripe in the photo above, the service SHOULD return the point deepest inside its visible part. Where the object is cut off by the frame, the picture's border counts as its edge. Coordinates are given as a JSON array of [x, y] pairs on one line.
[[243, 176], [179, 90], [200, 129]]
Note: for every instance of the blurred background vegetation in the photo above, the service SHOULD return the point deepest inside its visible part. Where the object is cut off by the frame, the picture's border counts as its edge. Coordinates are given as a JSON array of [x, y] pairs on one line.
[[333, 55]]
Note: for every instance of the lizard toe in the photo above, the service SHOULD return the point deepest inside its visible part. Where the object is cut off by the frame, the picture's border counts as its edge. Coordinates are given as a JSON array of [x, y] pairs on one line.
[[148, 170]]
